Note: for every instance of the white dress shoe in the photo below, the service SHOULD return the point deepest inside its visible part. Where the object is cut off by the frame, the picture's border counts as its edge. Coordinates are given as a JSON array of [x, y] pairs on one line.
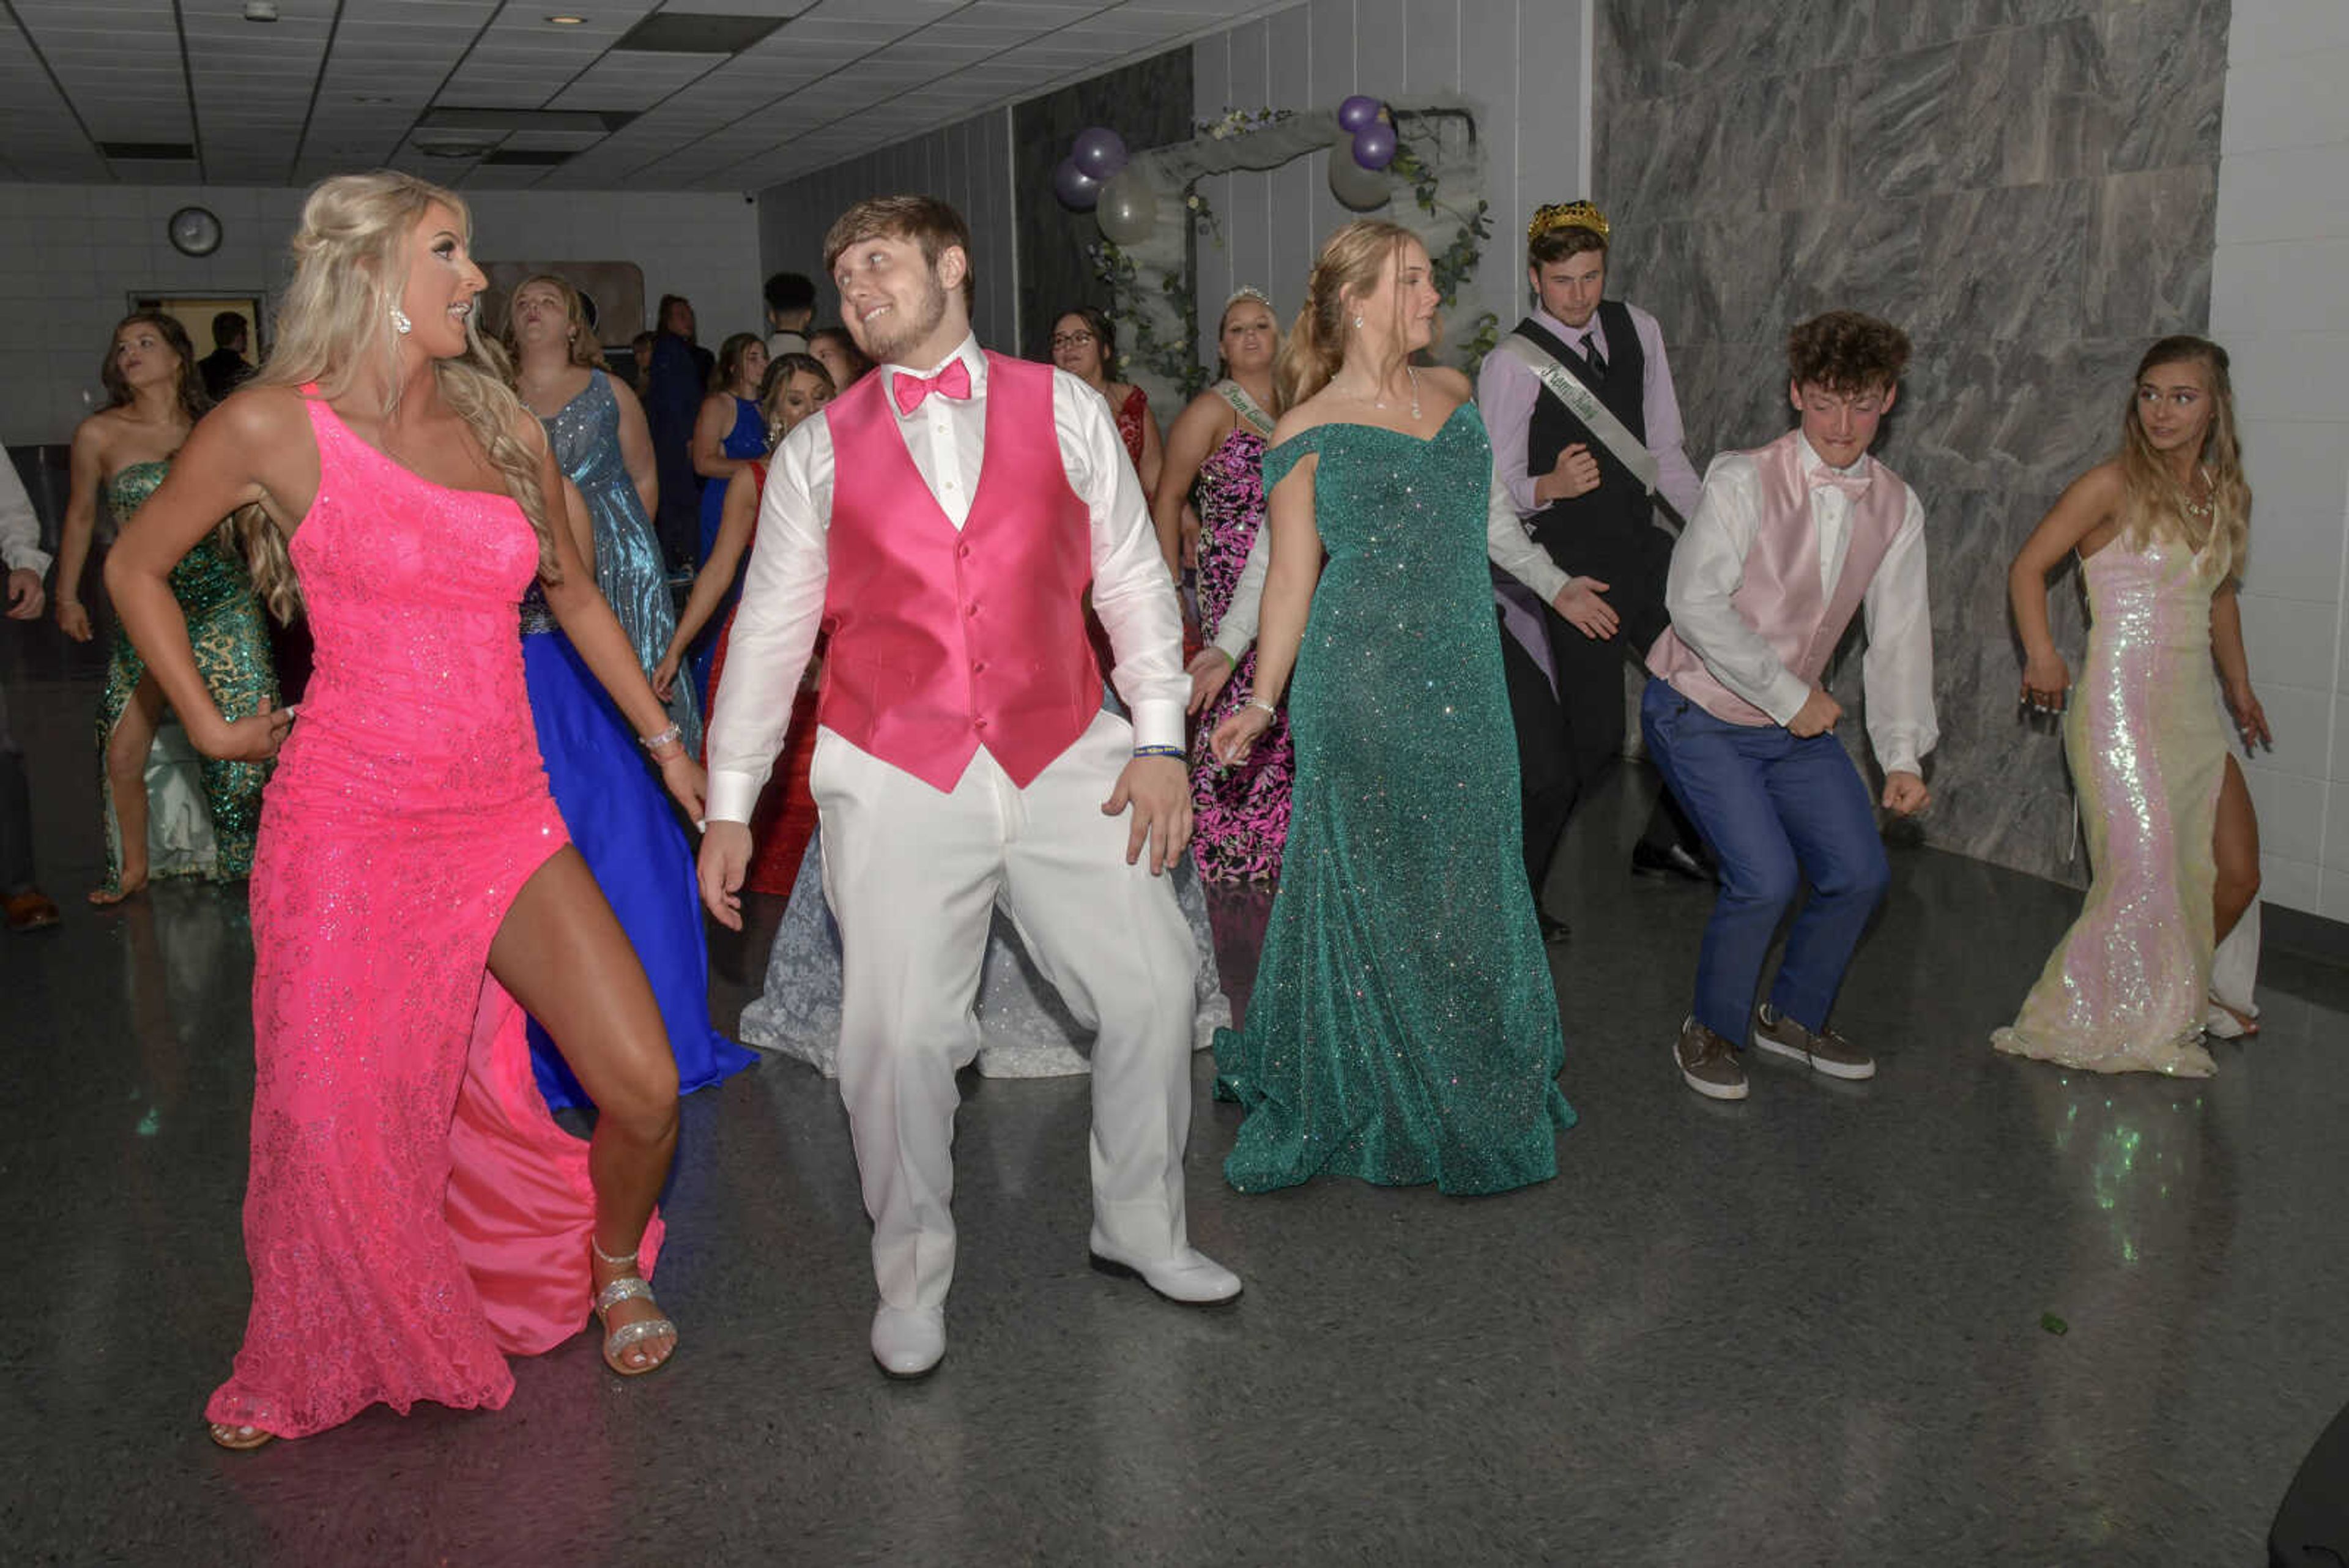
[[908, 1342], [1188, 1277]]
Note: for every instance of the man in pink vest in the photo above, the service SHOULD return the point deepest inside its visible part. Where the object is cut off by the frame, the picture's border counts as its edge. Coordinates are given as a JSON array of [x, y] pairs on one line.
[[943, 519], [1786, 543]]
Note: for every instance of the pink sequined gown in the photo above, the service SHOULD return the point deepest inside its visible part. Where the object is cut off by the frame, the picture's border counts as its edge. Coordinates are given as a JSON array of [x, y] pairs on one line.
[[2126, 988], [413, 1215]]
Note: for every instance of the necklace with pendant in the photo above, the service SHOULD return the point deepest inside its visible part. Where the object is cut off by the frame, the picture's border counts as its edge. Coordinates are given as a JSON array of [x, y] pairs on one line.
[[2200, 510], [1412, 371]]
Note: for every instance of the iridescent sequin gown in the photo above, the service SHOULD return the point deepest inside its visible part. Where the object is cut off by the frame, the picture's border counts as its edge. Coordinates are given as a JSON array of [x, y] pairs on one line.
[[1240, 812], [413, 1213], [628, 570], [231, 642], [1404, 1027], [2126, 990]]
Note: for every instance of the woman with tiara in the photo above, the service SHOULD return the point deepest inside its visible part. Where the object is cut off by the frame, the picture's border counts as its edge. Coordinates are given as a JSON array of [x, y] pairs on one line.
[[616, 814], [124, 452], [413, 1214], [797, 385], [1214, 454], [2160, 531], [600, 437], [1404, 1028]]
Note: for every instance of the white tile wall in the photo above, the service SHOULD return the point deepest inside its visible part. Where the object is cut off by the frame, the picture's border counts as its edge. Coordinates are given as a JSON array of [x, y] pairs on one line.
[[2277, 303], [71, 257]]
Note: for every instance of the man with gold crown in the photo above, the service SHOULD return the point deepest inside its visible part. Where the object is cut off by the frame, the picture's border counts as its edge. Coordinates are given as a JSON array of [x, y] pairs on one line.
[[1587, 437]]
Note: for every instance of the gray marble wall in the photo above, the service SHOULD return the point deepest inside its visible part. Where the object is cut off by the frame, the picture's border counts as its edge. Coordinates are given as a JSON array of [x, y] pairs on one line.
[[2027, 187]]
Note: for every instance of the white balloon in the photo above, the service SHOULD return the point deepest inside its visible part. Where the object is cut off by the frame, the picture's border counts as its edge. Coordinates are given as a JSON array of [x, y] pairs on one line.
[[1127, 209], [1358, 189]]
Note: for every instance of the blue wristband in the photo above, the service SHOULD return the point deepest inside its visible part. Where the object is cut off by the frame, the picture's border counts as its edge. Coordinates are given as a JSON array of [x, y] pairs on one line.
[[1160, 751]]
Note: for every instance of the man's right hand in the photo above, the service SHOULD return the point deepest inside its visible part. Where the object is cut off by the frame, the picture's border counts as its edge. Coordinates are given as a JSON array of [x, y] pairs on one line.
[[1819, 713], [1575, 473], [725, 861]]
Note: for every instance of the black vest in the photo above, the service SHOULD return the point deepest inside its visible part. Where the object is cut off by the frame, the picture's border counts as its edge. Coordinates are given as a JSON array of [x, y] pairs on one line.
[[1620, 499]]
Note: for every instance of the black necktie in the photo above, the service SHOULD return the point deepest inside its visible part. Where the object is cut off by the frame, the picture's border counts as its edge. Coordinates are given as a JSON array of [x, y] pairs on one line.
[[1593, 358]]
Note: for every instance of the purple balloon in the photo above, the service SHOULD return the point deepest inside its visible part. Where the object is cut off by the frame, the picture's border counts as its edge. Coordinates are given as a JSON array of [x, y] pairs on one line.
[[1074, 187], [1359, 112], [1099, 152], [1374, 145]]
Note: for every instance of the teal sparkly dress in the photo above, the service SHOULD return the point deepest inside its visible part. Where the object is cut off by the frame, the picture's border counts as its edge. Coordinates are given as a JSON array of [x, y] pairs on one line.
[[1404, 1028], [207, 831]]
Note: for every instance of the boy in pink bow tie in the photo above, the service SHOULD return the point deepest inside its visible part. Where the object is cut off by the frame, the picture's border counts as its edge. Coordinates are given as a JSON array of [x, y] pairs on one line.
[[1786, 543], [944, 519]]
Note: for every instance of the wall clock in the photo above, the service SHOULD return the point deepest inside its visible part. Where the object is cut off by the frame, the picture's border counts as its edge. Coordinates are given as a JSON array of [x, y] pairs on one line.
[[194, 232]]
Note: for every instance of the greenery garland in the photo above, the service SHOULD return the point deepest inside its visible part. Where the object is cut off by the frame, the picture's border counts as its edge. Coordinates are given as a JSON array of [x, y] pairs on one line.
[[1173, 361]]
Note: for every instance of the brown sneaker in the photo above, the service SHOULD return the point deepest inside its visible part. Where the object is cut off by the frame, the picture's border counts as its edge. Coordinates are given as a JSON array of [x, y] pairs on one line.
[[1709, 1063], [31, 911], [1825, 1052]]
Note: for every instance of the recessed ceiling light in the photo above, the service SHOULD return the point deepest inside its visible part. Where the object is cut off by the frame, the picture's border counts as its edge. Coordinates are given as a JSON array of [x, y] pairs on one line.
[[368, 97], [260, 11], [566, 21]]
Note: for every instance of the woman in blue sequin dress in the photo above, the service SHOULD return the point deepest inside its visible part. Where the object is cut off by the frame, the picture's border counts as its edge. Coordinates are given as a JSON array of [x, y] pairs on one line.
[[729, 432], [1404, 1028], [599, 436]]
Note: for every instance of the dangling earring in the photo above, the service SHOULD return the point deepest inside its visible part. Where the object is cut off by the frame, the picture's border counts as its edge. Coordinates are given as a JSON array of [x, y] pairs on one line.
[[1358, 323], [399, 322]]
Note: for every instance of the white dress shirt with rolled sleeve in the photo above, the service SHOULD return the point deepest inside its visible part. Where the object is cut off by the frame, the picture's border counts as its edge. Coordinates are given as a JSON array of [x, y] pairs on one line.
[[782, 607]]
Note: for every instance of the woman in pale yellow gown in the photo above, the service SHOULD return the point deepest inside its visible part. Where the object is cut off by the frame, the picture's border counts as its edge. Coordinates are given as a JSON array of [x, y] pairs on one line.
[[2160, 530]]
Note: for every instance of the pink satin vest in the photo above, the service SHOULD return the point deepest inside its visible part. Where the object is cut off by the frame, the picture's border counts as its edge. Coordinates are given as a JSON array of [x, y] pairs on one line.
[[944, 641], [1781, 597]]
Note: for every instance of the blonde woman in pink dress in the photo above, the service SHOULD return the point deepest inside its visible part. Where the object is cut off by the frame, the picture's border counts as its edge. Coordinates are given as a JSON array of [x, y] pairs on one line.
[[2160, 531], [413, 1215]]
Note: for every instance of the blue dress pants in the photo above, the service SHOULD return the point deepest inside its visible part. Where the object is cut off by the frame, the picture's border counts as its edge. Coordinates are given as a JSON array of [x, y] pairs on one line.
[[1779, 811]]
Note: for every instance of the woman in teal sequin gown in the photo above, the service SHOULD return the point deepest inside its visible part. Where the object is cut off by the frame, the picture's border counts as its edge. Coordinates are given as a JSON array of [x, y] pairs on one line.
[[1404, 1028], [600, 437], [123, 453]]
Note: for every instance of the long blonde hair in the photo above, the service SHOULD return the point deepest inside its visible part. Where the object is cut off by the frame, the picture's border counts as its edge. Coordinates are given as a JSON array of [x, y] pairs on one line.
[[350, 268], [1349, 263], [2153, 502]]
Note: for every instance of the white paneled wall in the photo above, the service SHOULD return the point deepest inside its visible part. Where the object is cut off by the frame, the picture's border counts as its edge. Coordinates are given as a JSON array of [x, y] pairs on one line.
[[71, 257], [967, 164], [2276, 302], [1524, 62]]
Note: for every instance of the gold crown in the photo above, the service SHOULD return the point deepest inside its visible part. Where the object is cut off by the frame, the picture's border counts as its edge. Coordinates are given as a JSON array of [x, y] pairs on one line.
[[1566, 215]]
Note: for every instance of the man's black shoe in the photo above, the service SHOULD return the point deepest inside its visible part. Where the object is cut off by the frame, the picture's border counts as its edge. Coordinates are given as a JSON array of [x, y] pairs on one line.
[[1647, 860]]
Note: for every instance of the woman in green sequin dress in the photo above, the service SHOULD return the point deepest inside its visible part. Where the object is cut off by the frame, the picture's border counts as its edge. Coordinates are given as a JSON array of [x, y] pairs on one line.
[[122, 451], [1404, 1028]]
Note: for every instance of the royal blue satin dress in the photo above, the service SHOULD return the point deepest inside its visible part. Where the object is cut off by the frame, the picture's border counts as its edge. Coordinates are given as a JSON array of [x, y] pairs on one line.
[[621, 821], [748, 439]]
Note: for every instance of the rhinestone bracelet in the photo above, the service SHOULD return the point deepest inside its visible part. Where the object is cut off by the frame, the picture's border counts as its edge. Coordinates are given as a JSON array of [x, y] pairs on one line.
[[1260, 703], [671, 736]]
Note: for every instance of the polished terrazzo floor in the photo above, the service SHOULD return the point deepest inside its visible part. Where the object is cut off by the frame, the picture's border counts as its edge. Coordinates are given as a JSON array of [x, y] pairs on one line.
[[1813, 1328]]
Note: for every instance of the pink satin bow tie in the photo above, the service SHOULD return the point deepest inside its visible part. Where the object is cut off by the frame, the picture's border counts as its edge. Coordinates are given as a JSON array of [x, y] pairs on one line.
[[954, 381], [1853, 485]]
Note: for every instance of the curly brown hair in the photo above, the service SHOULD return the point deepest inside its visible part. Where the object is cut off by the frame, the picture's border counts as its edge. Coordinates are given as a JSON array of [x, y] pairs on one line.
[[1845, 351], [1560, 243]]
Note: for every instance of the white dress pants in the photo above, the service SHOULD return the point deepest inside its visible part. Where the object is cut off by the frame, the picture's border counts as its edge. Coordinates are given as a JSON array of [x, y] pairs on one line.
[[913, 877]]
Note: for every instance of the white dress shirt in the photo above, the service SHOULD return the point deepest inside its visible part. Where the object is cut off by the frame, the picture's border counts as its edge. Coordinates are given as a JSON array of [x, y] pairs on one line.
[[20, 531], [783, 589], [1506, 543], [1708, 566], [1507, 391]]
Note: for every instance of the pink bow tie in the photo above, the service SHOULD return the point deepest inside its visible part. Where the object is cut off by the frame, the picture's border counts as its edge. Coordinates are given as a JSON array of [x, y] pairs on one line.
[[1853, 485], [954, 381]]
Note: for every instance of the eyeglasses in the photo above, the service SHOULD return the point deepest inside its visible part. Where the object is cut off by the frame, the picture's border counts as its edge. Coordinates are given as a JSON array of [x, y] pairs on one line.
[[1072, 339]]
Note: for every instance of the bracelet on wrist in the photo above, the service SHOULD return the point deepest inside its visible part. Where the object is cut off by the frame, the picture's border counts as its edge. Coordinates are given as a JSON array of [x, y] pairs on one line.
[[671, 736], [1254, 702], [1160, 751]]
